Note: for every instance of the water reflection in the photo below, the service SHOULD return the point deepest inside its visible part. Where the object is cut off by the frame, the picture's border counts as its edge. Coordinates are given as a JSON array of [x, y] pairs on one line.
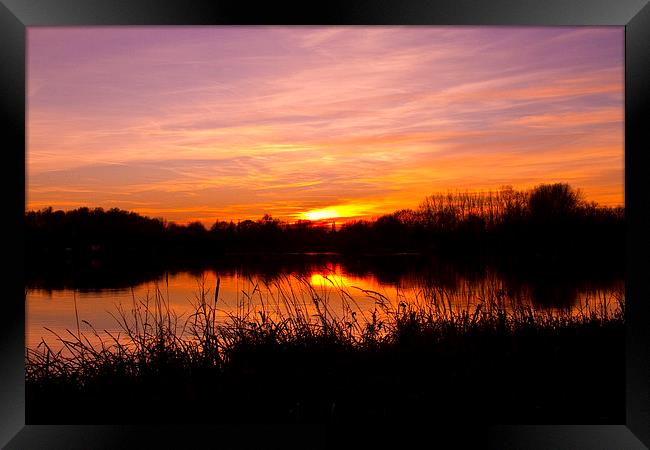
[[93, 293]]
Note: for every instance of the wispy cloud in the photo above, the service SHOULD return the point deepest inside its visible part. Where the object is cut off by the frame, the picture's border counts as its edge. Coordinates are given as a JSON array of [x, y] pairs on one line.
[[237, 121]]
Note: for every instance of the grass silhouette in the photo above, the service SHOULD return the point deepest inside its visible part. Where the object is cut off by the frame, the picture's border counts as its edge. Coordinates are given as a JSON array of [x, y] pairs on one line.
[[285, 356]]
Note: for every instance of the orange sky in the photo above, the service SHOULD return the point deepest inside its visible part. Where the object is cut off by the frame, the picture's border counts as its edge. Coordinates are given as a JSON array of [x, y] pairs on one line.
[[207, 123]]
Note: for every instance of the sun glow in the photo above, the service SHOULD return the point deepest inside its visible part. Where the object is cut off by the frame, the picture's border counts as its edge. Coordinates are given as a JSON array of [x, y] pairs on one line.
[[339, 211], [336, 279], [329, 280], [319, 214]]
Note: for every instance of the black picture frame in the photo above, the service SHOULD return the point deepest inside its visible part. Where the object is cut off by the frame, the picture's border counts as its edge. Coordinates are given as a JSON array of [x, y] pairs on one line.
[[16, 15]]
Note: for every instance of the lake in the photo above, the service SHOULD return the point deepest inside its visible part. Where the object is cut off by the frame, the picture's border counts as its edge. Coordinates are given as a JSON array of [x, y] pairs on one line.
[[93, 294]]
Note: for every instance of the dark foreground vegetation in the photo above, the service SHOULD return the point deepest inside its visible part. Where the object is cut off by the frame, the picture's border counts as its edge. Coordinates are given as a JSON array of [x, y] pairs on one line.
[[418, 361], [549, 221], [421, 360]]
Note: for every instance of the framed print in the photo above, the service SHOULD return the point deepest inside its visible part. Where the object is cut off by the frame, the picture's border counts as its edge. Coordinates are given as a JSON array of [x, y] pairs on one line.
[[277, 225]]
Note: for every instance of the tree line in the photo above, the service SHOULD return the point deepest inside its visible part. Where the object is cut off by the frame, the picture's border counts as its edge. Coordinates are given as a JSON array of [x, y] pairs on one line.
[[548, 219]]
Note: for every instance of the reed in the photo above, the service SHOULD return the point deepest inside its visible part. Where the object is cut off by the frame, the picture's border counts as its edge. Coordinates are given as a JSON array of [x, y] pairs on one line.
[[287, 337]]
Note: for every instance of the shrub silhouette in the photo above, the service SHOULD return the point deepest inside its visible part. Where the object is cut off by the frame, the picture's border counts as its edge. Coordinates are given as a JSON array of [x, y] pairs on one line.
[[553, 201]]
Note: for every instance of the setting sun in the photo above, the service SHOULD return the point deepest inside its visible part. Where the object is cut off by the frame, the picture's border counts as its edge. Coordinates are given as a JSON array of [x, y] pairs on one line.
[[340, 211], [319, 214]]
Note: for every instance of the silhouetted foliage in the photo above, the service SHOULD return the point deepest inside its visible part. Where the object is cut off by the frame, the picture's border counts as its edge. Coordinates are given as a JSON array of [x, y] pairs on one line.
[[412, 362], [85, 230], [549, 220], [552, 201]]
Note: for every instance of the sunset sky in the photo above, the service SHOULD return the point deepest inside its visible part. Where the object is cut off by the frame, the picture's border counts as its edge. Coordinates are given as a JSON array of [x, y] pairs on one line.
[[207, 123]]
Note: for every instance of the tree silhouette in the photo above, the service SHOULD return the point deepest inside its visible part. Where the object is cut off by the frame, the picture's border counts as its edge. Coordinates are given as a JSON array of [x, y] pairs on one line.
[[548, 219], [552, 201]]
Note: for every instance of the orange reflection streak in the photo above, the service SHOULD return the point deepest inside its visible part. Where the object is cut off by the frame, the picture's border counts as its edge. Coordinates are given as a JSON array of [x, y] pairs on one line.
[[338, 280], [329, 280], [57, 309]]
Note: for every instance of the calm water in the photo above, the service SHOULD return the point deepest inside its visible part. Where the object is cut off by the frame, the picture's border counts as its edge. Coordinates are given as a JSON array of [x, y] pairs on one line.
[[95, 295]]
